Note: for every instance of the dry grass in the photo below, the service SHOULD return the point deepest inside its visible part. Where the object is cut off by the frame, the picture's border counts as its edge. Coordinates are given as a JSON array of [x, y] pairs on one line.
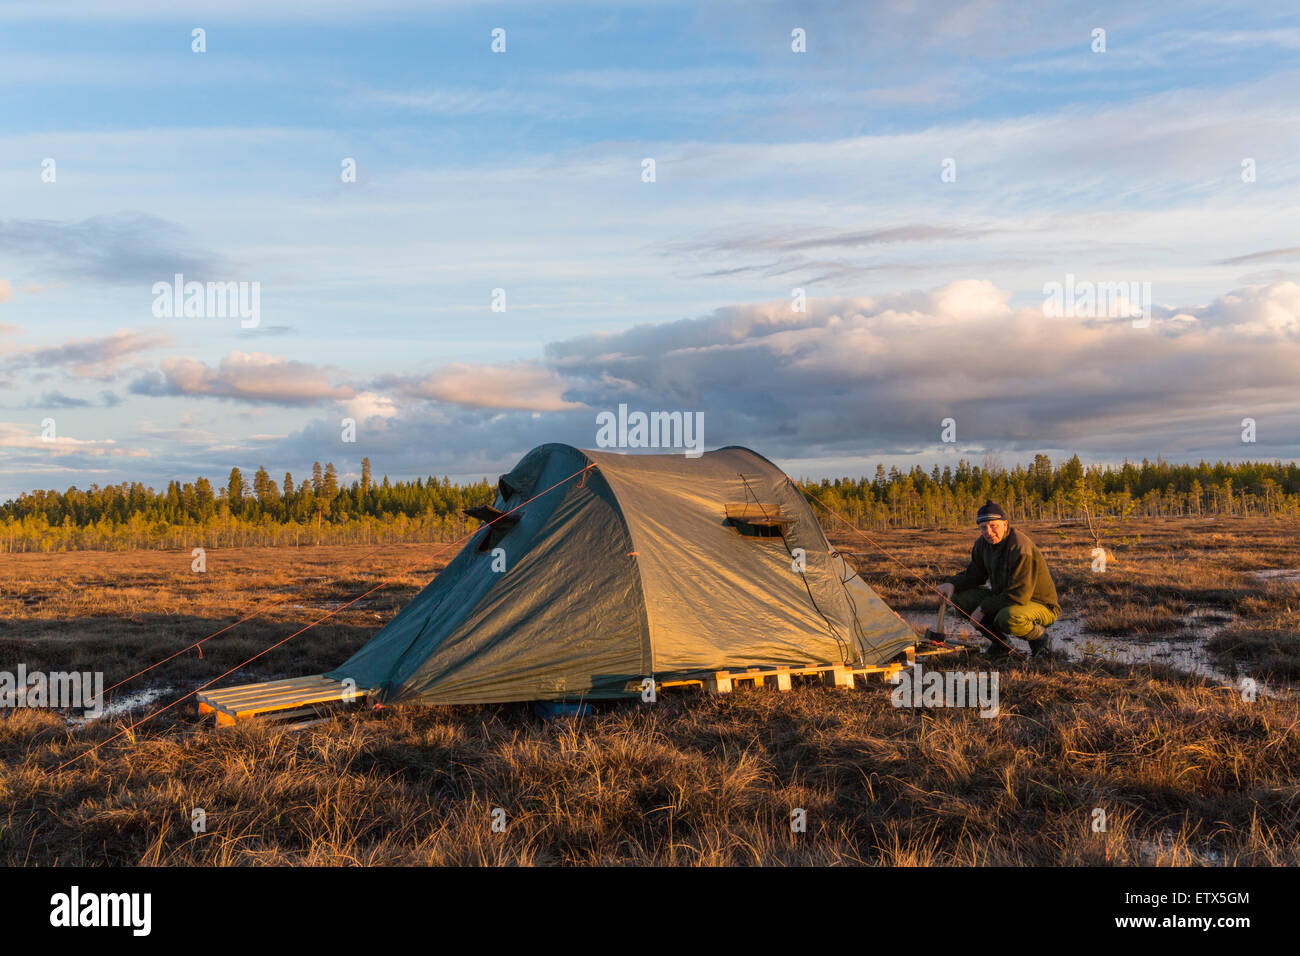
[[1187, 773]]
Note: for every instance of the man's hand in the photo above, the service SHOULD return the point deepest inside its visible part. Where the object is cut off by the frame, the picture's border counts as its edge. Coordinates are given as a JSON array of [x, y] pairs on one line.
[[946, 591], [977, 616]]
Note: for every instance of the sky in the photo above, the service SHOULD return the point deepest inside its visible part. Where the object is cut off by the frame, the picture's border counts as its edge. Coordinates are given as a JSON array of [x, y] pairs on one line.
[[841, 255]]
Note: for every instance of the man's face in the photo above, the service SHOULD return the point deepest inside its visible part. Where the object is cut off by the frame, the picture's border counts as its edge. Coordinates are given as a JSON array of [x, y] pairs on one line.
[[994, 531]]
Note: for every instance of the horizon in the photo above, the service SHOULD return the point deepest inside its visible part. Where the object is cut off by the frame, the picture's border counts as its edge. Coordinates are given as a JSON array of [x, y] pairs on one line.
[[348, 478]]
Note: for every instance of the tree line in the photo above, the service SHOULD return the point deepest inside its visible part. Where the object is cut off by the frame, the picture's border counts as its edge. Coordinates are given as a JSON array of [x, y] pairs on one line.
[[319, 510], [240, 512], [1068, 491]]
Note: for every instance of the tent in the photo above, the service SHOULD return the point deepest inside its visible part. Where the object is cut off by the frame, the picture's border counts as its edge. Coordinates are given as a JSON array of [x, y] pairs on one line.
[[642, 565]]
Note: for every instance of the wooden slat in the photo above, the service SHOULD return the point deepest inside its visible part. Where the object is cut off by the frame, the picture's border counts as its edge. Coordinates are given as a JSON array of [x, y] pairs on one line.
[[235, 688], [252, 690], [287, 700], [279, 699], [230, 719], [337, 690], [268, 693]]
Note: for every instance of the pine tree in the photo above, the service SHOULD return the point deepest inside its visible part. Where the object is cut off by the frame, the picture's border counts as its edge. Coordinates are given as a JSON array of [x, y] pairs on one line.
[[260, 481], [235, 490]]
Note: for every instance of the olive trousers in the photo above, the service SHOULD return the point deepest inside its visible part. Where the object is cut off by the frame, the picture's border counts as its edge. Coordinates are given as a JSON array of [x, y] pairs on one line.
[[1016, 620]]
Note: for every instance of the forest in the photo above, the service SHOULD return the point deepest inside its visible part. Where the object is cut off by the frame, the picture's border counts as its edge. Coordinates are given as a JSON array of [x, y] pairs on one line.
[[318, 509]]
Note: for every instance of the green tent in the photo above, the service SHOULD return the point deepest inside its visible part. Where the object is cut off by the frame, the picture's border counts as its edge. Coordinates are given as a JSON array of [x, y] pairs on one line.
[[643, 565]]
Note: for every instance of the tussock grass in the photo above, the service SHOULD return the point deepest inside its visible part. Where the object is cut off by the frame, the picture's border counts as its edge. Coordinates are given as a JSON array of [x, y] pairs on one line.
[[1187, 773]]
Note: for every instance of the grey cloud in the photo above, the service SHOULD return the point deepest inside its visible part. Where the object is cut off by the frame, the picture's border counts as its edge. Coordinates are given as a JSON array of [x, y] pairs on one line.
[[125, 247], [856, 378], [1290, 254], [826, 238], [57, 399], [89, 358]]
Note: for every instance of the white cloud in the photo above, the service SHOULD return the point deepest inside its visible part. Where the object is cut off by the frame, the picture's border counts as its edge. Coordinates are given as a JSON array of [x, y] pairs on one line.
[[247, 376], [517, 385]]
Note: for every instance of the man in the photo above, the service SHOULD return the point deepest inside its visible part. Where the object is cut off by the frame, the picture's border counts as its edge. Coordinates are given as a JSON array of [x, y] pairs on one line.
[[1020, 598]]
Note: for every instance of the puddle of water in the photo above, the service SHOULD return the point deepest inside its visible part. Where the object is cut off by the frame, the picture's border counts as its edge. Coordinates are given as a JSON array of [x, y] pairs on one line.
[[1185, 651], [328, 605], [1285, 575], [1163, 846], [122, 705]]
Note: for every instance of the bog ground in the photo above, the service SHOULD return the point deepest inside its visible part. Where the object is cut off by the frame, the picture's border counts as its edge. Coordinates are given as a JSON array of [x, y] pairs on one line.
[[1186, 769]]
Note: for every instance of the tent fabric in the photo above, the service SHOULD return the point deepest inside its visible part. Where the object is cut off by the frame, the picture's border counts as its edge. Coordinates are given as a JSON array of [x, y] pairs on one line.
[[628, 571]]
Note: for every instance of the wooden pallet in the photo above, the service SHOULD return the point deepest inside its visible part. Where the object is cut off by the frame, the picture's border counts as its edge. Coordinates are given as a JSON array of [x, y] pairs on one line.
[[278, 699], [833, 675]]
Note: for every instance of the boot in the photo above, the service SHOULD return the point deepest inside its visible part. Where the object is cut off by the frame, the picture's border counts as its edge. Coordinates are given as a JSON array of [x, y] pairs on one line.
[[1000, 645], [1040, 641]]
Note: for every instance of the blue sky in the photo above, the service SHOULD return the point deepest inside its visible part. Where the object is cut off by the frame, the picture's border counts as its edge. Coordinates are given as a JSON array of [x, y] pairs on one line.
[[522, 170]]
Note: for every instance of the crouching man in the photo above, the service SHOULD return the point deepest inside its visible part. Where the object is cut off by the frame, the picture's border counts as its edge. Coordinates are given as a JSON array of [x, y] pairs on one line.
[[1019, 599]]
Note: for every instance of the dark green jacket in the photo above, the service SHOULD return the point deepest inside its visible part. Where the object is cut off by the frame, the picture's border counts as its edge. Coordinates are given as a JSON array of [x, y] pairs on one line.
[[1015, 571]]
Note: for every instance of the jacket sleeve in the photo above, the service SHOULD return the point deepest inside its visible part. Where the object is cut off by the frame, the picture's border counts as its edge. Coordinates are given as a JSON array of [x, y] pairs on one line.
[[1020, 584], [974, 575]]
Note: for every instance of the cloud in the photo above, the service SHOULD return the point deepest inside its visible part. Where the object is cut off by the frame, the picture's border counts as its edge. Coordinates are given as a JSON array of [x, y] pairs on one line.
[[517, 385], [18, 437], [55, 399], [864, 378], [1291, 254], [244, 376], [6, 290], [823, 238], [90, 358], [367, 405], [125, 247]]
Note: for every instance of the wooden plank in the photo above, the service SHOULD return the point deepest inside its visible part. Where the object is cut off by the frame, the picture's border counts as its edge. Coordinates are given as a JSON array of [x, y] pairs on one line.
[[270, 688], [281, 715], [333, 690], [250, 710], [262, 685], [832, 675], [231, 704], [252, 700], [219, 700], [838, 676], [718, 683]]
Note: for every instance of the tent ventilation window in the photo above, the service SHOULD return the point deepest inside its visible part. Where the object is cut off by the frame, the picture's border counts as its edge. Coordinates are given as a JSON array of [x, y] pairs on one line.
[[502, 527], [754, 520]]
